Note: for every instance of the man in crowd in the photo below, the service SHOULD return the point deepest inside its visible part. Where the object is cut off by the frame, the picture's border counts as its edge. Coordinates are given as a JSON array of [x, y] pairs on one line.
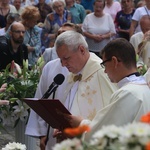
[[141, 43], [128, 103], [50, 53], [77, 11], [83, 95], [139, 12], [13, 48]]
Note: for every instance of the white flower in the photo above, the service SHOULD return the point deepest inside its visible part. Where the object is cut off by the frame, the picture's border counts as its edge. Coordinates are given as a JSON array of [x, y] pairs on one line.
[[14, 146], [21, 110], [133, 136], [22, 83], [101, 138], [69, 144], [135, 133], [18, 68], [7, 117]]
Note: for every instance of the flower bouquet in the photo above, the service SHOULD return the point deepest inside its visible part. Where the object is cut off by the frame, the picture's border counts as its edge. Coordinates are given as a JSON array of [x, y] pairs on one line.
[[21, 83], [14, 146], [135, 136]]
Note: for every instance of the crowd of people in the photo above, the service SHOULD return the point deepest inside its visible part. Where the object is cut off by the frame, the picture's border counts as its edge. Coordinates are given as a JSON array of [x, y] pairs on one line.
[[94, 41], [101, 21]]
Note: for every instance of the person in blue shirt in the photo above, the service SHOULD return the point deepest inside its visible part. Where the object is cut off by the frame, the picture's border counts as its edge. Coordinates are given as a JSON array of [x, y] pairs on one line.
[[87, 4], [77, 11]]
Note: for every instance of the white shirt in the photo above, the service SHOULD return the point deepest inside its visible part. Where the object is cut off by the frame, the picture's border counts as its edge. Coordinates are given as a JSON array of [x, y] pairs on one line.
[[139, 12], [113, 9], [2, 31], [98, 25]]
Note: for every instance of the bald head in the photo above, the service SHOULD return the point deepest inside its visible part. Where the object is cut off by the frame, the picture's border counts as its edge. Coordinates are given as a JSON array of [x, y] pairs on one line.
[[16, 33], [17, 25], [145, 23]]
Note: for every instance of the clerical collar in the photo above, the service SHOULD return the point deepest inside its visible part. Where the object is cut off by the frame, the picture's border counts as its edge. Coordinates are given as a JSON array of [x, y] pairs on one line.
[[131, 78], [135, 73]]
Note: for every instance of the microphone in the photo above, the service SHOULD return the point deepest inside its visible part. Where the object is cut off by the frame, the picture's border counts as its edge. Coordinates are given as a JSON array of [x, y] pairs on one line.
[[58, 80]]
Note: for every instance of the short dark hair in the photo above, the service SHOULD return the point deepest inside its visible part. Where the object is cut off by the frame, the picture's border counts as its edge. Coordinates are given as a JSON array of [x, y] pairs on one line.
[[99, 1], [122, 50], [13, 17]]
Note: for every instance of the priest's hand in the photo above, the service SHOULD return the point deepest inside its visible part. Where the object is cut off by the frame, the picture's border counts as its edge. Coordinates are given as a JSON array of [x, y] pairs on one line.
[[59, 135], [74, 120]]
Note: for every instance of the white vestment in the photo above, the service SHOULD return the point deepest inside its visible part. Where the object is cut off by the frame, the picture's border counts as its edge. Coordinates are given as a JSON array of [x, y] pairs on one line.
[[144, 57], [127, 105], [92, 94], [94, 89], [136, 39], [37, 126], [49, 54]]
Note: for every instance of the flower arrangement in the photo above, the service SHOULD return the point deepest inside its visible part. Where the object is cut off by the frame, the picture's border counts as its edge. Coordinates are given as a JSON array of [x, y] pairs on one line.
[[75, 143], [145, 118], [142, 68], [135, 136], [14, 146], [21, 83]]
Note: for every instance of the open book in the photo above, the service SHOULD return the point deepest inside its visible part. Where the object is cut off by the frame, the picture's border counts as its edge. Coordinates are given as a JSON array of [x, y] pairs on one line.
[[52, 111]]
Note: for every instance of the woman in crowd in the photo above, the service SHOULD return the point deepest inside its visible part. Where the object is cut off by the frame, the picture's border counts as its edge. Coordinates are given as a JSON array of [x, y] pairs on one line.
[[44, 9], [98, 28], [29, 18], [123, 19], [5, 9], [54, 21], [112, 7]]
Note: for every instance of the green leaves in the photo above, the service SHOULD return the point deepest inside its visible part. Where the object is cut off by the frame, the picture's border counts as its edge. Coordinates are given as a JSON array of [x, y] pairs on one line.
[[21, 83]]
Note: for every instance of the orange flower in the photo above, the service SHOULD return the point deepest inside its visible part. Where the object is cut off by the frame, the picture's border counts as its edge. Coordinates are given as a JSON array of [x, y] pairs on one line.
[[145, 118], [147, 146], [76, 131]]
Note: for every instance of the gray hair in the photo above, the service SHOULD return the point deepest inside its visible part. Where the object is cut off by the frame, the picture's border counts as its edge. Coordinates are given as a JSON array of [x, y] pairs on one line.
[[54, 1], [72, 40]]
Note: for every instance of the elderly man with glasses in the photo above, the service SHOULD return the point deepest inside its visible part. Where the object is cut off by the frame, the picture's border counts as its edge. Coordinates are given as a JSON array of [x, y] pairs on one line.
[[129, 102]]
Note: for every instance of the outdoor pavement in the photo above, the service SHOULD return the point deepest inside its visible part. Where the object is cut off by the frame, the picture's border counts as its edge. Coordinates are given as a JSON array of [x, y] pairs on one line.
[[6, 136], [9, 136]]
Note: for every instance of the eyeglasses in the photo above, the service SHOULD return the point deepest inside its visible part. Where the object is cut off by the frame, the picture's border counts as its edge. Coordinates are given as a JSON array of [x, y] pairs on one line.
[[103, 63], [57, 7], [18, 32]]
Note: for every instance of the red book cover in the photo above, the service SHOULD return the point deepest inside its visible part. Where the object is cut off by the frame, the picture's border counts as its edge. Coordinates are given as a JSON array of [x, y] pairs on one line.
[[50, 110]]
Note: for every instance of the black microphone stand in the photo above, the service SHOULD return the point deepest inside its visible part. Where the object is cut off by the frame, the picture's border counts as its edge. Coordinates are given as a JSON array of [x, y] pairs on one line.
[[48, 129]]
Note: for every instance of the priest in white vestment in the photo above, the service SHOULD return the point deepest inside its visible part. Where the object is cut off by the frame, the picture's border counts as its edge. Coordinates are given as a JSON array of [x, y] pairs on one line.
[[83, 97], [128, 103]]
